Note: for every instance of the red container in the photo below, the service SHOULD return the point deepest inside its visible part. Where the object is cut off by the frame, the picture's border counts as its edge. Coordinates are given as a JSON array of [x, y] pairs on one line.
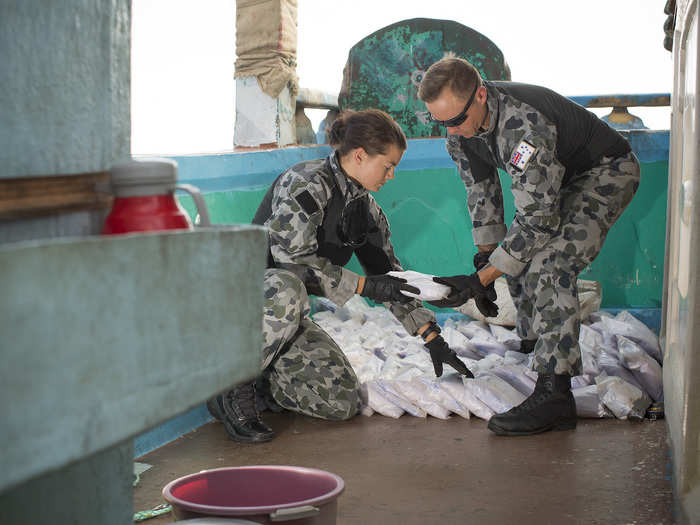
[[144, 191], [262, 494], [150, 212]]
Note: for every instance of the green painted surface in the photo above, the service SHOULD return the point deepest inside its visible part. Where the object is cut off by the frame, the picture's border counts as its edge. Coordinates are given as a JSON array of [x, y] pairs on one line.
[[432, 230], [384, 69]]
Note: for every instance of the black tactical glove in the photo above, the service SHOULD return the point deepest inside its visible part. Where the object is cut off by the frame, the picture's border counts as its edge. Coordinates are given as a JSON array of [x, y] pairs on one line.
[[465, 287], [386, 288], [481, 259], [441, 353]]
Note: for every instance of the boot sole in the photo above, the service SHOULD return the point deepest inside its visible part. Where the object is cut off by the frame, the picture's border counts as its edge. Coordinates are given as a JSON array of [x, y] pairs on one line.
[[560, 426]]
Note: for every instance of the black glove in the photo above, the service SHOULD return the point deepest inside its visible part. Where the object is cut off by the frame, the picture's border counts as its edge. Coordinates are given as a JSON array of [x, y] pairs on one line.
[[441, 353], [387, 288], [465, 287], [481, 259]]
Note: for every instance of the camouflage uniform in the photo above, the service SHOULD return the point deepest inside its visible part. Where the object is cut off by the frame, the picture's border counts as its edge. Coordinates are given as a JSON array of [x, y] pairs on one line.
[[306, 370], [574, 181]]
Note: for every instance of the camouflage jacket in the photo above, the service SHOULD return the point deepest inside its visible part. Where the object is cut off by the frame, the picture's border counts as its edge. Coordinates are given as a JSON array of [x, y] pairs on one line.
[[295, 221], [541, 144]]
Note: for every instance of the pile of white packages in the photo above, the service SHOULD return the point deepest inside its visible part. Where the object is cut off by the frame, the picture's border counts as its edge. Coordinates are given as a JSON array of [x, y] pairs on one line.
[[621, 365]]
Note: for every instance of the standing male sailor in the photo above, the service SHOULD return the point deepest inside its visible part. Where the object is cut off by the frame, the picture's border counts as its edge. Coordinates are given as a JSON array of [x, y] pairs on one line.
[[572, 177]]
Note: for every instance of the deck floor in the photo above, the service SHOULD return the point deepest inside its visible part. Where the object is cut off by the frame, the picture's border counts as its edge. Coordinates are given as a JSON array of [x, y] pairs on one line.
[[428, 471]]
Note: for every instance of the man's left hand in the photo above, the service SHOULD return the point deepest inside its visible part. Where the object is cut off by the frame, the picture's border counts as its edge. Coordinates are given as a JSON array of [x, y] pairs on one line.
[[465, 287]]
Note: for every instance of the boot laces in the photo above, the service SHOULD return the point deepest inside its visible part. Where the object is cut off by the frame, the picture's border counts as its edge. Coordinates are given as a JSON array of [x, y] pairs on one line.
[[242, 400]]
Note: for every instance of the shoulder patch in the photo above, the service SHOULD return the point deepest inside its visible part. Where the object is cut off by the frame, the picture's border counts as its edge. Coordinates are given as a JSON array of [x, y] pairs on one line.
[[522, 155], [307, 202]]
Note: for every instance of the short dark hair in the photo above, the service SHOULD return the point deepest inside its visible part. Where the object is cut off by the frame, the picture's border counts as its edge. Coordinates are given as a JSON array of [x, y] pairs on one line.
[[456, 73], [371, 129]]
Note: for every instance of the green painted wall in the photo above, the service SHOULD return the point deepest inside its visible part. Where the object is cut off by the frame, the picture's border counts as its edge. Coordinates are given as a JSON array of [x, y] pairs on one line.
[[432, 230]]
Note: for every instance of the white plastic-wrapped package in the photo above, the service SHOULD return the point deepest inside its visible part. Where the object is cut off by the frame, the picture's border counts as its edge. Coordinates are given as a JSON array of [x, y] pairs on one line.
[[581, 381], [495, 393], [475, 405], [607, 342], [456, 386], [485, 365], [515, 376], [380, 404], [458, 342], [429, 289], [486, 346], [370, 369], [473, 329], [611, 365], [441, 395], [514, 358], [417, 393], [506, 337], [506, 308], [643, 366], [386, 387], [417, 355], [646, 339], [588, 404], [589, 341], [625, 400], [643, 335]]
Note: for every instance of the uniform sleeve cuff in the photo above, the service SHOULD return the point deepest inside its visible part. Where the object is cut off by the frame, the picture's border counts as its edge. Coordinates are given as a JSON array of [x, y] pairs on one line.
[[346, 287], [417, 318], [492, 234], [505, 262]]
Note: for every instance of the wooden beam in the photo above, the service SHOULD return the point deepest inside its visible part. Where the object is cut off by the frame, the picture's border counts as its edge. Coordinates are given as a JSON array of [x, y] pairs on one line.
[[27, 197]]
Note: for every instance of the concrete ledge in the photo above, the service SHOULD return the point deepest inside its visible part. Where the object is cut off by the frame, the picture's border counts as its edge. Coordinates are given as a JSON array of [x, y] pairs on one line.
[[104, 337]]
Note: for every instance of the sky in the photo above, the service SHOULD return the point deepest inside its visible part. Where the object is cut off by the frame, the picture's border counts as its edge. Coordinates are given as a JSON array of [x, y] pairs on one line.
[[183, 53]]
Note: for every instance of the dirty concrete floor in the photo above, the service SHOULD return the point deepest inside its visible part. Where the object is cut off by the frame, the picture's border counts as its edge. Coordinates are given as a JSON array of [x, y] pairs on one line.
[[428, 471]]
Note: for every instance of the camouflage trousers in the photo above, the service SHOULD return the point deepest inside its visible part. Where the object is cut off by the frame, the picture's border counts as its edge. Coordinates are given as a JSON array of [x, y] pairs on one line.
[[545, 293], [306, 371]]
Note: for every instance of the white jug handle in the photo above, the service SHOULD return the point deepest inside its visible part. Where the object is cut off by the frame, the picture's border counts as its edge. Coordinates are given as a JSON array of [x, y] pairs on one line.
[[198, 201]]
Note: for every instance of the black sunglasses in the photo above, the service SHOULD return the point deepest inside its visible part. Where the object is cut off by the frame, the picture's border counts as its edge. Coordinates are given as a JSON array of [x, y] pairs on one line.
[[456, 121]]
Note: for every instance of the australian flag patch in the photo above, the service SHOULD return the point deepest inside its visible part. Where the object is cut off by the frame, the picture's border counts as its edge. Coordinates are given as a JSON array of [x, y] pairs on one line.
[[522, 155]]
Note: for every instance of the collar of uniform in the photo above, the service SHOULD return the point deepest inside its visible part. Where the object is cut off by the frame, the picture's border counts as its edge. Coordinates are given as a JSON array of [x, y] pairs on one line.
[[349, 187], [493, 102]]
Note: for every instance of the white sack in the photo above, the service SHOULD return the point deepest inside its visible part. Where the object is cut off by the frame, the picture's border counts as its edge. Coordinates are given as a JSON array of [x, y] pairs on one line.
[[458, 342], [622, 398], [417, 393], [443, 397], [588, 404], [377, 402], [643, 335], [455, 385], [506, 337], [515, 376], [495, 393], [644, 367], [589, 341], [387, 389], [429, 289]]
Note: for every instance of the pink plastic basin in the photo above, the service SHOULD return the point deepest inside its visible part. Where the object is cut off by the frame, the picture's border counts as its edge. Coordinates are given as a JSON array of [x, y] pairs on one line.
[[263, 493]]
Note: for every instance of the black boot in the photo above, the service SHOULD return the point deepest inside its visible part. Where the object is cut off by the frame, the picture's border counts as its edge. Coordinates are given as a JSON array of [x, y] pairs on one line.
[[527, 346], [550, 407], [241, 417], [215, 406]]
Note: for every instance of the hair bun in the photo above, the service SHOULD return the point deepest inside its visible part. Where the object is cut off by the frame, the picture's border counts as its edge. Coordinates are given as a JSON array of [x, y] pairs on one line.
[[336, 134]]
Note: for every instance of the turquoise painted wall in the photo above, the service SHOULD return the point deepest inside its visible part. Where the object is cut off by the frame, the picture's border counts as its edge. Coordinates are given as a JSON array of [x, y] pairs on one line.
[[426, 207]]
